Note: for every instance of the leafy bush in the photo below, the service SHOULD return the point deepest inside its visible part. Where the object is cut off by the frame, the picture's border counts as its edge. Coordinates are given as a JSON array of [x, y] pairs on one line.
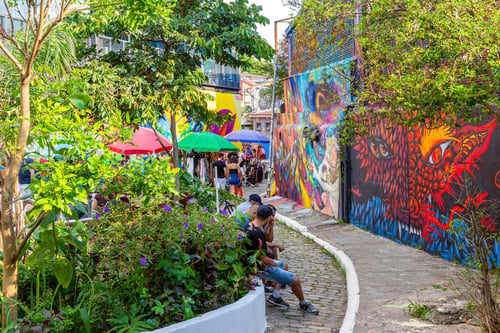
[[141, 268], [204, 193], [175, 262]]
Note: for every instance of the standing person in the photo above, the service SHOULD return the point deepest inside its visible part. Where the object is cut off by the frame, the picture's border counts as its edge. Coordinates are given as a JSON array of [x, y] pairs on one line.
[[274, 270], [234, 176], [220, 171]]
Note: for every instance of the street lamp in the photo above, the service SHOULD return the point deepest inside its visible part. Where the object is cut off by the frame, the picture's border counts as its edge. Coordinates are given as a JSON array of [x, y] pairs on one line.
[[271, 145]]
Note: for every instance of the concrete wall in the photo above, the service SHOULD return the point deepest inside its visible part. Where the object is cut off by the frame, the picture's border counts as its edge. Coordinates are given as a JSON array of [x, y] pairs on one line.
[[247, 315], [407, 184]]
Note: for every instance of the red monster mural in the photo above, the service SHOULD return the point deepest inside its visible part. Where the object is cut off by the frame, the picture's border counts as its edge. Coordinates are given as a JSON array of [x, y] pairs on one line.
[[414, 168]]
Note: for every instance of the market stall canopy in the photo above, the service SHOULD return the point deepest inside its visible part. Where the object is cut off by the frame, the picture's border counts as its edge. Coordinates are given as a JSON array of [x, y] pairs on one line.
[[206, 141], [144, 141], [248, 136]]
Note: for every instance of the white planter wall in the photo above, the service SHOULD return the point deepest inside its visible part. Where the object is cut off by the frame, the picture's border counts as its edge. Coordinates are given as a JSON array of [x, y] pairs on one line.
[[247, 315]]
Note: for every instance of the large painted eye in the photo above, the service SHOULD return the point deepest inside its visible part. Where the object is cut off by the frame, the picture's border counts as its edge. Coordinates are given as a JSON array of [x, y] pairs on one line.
[[437, 154], [379, 148], [374, 148]]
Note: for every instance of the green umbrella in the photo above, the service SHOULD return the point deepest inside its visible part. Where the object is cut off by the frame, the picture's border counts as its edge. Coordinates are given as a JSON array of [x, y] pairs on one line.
[[206, 141]]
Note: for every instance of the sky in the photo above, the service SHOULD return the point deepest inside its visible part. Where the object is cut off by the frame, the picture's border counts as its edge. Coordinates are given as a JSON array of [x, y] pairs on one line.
[[274, 10]]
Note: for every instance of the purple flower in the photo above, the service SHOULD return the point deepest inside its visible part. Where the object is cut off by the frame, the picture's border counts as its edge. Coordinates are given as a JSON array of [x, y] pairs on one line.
[[200, 226], [240, 235], [212, 220], [224, 212], [106, 209], [205, 209], [180, 234], [185, 224], [144, 261], [222, 227], [167, 208], [97, 216], [185, 215]]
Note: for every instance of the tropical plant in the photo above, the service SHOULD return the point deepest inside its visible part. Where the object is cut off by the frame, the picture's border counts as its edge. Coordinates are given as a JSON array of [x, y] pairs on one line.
[[21, 48]]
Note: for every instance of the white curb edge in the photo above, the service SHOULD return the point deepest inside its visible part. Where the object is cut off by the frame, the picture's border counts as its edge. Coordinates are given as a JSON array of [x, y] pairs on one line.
[[248, 315], [345, 261]]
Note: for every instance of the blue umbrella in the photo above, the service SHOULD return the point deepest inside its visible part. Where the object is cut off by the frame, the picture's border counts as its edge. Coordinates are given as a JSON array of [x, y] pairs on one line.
[[248, 136]]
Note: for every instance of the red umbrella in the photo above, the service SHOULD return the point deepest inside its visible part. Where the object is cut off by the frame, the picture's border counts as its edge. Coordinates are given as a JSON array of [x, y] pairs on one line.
[[144, 141]]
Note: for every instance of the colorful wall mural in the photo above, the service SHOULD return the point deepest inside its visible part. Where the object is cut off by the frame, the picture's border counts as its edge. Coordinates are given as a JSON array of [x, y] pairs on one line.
[[223, 103], [407, 183], [305, 140]]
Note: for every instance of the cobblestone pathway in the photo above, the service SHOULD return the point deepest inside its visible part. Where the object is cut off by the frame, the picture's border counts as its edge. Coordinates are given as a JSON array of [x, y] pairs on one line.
[[322, 282]]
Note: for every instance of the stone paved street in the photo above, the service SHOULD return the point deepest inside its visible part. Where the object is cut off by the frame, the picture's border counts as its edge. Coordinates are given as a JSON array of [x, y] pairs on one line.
[[322, 282], [390, 276]]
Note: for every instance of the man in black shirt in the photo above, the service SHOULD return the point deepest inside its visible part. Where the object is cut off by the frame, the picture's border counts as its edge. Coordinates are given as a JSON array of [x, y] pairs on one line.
[[274, 270], [220, 172]]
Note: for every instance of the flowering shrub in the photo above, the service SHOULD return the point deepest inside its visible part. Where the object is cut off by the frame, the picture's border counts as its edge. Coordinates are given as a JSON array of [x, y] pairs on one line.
[[173, 263], [135, 269]]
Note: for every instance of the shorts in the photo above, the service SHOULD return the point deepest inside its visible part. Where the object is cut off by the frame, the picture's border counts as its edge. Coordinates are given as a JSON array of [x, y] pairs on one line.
[[278, 275], [234, 179], [220, 183]]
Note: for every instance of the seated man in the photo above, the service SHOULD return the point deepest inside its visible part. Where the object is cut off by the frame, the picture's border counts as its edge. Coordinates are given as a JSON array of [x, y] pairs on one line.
[[243, 218], [274, 270], [252, 200], [269, 235]]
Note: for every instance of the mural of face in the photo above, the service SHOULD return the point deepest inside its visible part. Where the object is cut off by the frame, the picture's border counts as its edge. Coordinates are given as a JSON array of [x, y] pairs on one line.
[[326, 173], [414, 167]]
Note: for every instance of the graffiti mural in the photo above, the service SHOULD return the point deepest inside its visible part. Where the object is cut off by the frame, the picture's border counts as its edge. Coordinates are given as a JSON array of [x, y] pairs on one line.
[[407, 182], [305, 139], [223, 103]]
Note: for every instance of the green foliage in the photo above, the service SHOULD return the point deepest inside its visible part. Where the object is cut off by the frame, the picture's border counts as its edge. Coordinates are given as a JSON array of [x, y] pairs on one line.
[[204, 194], [418, 61], [136, 268], [178, 262], [418, 310], [144, 179], [188, 34]]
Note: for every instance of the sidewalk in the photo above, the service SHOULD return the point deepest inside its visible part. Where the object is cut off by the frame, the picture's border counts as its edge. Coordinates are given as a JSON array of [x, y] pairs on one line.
[[390, 274]]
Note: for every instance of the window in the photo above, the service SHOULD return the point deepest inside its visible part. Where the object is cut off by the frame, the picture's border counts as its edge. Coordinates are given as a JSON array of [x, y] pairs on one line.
[[257, 126], [268, 126]]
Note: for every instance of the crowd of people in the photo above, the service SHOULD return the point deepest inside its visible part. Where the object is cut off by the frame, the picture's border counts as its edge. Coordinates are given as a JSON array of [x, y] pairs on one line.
[[229, 170]]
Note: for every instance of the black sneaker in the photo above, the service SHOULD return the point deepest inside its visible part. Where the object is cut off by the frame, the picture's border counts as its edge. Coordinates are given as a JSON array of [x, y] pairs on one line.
[[307, 307], [278, 302], [268, 290]]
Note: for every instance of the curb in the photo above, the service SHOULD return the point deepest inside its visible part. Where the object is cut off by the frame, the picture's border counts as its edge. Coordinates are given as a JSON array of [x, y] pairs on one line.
[[248, 314], [346, 263]]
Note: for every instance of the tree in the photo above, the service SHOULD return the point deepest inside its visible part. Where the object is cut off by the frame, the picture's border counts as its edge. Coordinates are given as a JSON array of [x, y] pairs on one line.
[[22, 49], [418, 60], [168, 54]]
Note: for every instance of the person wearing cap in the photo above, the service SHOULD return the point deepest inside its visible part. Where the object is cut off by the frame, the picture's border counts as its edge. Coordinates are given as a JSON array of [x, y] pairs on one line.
[[274, 270], [269, 235], [243, 217], [253, 199]]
